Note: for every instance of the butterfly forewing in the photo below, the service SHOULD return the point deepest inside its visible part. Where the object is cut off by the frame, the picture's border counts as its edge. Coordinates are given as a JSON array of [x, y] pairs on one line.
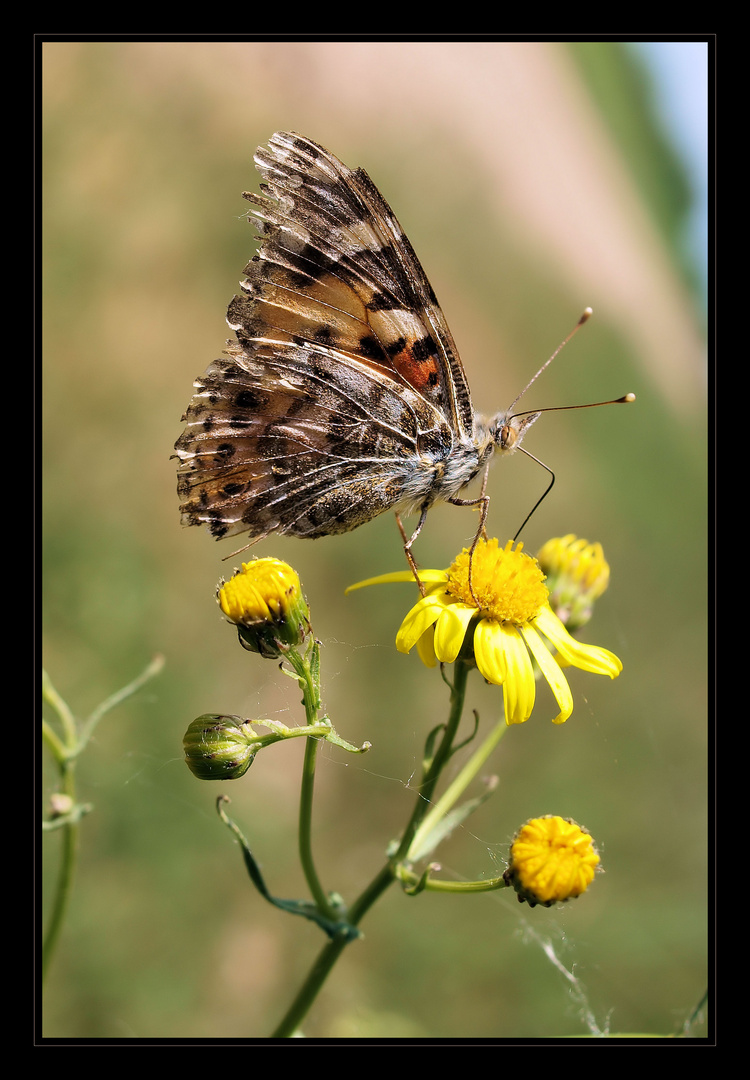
[[333, 231]]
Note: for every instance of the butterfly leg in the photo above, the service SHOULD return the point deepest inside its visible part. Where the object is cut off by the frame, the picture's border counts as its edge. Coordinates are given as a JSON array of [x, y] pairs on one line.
[[233, 554], [483, 502], [484, 505], [408, 543]]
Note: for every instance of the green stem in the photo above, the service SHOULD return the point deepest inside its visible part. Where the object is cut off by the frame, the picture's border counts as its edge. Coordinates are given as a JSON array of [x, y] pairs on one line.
[[306, 668], [67, 720], [66, 871], [436, 766], [330, 953], [310, 988], [116, 699], [65, 751], [438, 885], [305, 830], [459, 785], [328, 956], [54, 743]]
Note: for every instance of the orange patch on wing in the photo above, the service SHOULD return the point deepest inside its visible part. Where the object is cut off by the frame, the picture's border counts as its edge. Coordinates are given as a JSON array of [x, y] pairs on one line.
[[418, 373]]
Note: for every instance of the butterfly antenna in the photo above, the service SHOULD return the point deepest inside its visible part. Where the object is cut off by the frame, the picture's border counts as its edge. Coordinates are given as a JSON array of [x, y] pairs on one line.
[[583, 319], [624, 400], [541, 498]]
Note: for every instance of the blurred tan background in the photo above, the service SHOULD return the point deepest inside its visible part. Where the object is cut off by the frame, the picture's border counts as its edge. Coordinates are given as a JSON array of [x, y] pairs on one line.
[[532, 180]]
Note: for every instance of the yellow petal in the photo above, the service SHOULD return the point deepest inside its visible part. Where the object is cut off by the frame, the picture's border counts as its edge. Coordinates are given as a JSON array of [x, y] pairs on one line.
[[552, 673], [424, 613], [502, 657], [450, 631], [426, 576], [519, 688], [588, 657], [488, 651], [426, 648]]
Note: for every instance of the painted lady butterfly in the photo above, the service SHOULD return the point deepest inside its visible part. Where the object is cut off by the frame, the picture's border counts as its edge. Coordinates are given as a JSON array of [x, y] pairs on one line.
[[344, 396]]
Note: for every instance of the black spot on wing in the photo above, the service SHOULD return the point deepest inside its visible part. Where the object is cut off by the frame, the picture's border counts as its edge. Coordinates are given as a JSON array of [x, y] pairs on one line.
[[423, 349], [250, 399]]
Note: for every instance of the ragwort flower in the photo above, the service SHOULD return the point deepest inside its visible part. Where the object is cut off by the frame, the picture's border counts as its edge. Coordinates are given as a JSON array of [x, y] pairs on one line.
[[501, 621]]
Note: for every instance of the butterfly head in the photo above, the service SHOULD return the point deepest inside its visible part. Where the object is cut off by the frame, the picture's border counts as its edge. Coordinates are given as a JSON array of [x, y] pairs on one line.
[[507, 432]]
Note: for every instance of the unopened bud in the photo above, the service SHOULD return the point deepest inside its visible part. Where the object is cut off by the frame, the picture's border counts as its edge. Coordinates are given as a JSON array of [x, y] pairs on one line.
[[219, 747], [577, 575]]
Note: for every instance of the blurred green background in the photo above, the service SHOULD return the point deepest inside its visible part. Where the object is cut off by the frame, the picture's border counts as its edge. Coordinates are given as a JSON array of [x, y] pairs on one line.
[[533, 180]]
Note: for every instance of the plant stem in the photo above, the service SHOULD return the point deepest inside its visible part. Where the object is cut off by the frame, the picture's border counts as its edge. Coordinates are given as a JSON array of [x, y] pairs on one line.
[[330, 953], [307, 669], [440, 759], [64, 884], [305, 829], [461, 782], [65, 751]]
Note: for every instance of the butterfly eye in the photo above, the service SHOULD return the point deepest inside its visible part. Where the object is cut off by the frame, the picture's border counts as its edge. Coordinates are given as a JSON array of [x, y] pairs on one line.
[[507, 437], [507, 432]]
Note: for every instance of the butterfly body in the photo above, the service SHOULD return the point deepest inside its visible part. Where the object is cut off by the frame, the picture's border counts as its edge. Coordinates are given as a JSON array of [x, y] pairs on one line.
[[344, 395]]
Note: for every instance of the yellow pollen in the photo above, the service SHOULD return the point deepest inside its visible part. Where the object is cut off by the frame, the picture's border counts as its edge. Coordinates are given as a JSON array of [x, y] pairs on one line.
[[508, 585]]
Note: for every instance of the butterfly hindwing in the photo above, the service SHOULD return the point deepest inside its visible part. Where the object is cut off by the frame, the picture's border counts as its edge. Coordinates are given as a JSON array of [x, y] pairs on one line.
[[297, 441]]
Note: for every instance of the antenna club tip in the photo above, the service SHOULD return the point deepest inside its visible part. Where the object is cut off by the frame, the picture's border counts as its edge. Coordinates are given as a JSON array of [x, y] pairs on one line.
[[629, 397], [588, 312]]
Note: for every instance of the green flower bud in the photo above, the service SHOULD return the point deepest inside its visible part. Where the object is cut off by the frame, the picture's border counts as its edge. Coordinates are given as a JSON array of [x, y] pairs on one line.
[[219, 747]]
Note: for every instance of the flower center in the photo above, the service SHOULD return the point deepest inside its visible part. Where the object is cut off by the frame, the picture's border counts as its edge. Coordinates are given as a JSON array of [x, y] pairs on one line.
[[508, 585]]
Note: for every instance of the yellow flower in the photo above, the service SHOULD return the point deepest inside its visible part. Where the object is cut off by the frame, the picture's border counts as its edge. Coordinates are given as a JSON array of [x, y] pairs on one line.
[[264, 599], [551, 859], [500, 622]]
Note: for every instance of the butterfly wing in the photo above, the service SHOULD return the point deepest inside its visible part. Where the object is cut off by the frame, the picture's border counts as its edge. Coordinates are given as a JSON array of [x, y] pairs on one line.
[[345, 374]]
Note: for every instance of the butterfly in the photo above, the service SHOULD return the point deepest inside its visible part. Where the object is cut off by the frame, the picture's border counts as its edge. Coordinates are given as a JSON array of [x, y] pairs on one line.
[[344, 395]]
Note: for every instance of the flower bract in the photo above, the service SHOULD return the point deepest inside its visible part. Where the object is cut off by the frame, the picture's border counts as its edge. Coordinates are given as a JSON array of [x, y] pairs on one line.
[[219, 747]]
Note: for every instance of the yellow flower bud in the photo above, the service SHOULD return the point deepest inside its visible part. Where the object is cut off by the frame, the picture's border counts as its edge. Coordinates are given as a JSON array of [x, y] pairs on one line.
[[577, 575], [264, 599], [551, 860]]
